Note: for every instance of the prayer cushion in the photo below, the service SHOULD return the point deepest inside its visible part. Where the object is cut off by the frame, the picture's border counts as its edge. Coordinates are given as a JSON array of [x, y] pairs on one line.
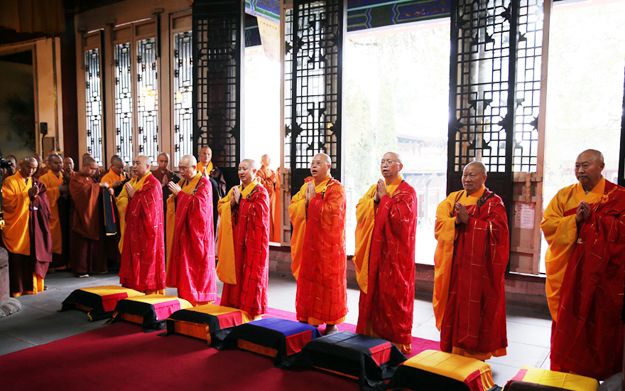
[[370, 360], [151, 311], [209, 322], [99, 302], [432, 370], [541, 379], [274, 337]]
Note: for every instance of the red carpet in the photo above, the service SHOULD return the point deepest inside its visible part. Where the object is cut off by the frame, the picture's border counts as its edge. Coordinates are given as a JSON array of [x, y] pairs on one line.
[[122, 357]]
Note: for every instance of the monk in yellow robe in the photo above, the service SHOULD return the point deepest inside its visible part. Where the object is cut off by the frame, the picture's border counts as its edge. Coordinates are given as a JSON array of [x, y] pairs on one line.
[[116, 175], [26, 235], [143, 253], [469, 268], [243, 245], [319, 262], [57, 192], [267, 177], [385, 256], [190, 251], [584, 227]]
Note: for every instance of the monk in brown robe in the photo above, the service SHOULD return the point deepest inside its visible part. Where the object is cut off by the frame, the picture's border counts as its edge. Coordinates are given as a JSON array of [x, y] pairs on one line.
[[57, 197], [68, 166], [208, 169], [267, 177], [26, 235], [165, 176], [86, 253]]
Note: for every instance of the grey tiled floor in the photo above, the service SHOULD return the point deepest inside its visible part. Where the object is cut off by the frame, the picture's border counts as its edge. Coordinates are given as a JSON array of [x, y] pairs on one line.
[[39, 321]]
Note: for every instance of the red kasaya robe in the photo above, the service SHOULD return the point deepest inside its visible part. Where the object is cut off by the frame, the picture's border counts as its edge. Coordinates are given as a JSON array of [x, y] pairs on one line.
[[250, 230], [321, 274], [387, 303], [143, 255], [191, 263], [472, 311], [587, 336]]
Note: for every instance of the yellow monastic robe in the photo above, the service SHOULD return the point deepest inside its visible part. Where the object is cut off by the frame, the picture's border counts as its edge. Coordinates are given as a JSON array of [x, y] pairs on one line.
[[209, 168], [15, 203], [111, 178], [561, 234], [171, 215], [445, 233], [226, 267], [297, 211], [52, 183], [122, 202], [365, 216]]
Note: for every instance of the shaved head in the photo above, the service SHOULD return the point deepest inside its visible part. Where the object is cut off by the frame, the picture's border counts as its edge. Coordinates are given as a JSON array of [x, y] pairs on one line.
[[141, 166], [393, 155], [593, 154], [206, 154], [250, 162], [53, 156], [324, 157], [188, 160], [188, 167], [478, 165], [116, 159], [206, 148], [88, 161], [165, 154]]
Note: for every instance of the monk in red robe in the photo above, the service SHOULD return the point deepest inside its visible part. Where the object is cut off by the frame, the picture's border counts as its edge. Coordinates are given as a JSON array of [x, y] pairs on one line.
[[143, 253], [385, 256], [469, 268], [267, 177], [26, 235], [585, 262], [57, 192], [243, 245], [319, 264], [87, 251], [190, 236]]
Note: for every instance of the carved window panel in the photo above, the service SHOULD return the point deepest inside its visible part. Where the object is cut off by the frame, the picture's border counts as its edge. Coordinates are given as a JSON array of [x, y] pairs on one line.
[[147, 98], [183, 95], [318, 31], [123, 102], [94, 113], [218, 46]]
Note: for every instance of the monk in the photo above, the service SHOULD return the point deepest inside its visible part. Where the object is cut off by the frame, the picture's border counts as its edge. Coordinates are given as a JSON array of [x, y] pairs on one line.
[[267, 177], [385, 256], [206, 167], [57, 196], [87, 250], [143, 253], [42, 169], [584, 227], [469, 268], [116, 174], [26, 235], [243, 245], [68, 166], [190, 236], [163, 175], [319, 263]]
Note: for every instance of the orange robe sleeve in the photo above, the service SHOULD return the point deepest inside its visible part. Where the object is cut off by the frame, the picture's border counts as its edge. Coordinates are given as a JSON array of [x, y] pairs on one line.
[[52, 185], [143, 258], [15, 203], [226, 268], [322, 286]]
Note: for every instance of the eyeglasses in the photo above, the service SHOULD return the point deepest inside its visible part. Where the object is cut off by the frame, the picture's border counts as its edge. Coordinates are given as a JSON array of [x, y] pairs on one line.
[[469, 176], [388, 163]]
